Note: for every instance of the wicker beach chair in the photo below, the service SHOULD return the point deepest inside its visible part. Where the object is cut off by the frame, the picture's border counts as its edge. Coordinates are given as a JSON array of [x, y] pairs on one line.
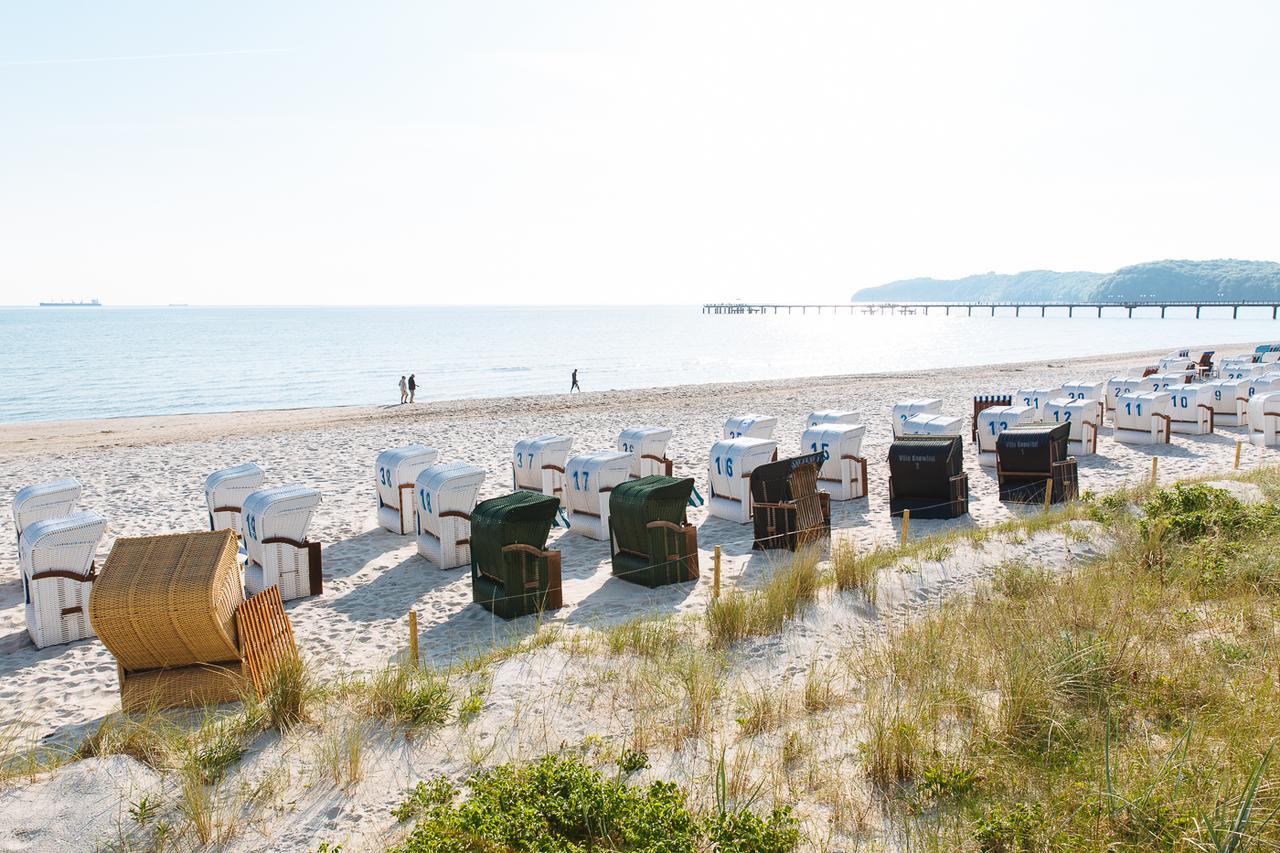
[[982, 402], [442, 513], [44, 500], [652, 542], [905, 409], [1144, 418], [788, 509], [165, 606], [832, 416], [56, 559], [994, 420], [512, 573], [537, 464], [729, 475], [647, 447], [843, 474], [1264, 419], [224, 494], [397, 472], [279, 553], [1030, 457], [926, 476], [750, 426], [1192, 409], [588, 480], [1082, 420]]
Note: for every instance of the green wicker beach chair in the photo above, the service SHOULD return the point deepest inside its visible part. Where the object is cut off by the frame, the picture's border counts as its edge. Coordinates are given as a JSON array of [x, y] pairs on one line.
[[511, 573], [653, 544]]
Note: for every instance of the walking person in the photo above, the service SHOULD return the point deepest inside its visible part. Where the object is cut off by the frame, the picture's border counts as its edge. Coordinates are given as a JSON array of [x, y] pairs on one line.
[[404, 391], [574, 387], [413, 387]]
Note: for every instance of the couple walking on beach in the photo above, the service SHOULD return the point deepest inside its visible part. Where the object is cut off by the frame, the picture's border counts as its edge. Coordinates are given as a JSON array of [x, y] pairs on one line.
[[408, 389]]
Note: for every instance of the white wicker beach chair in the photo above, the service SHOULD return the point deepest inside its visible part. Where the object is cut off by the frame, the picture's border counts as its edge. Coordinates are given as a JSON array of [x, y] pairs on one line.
[[1144, 418], [44, 500], [844, 472], [732, 461], [279, 553], [750, 426], [1192, 409], [224, 494], [1035, 398], [56, 557], [1081, 415], [588, 480], [397, 472], [1264, 419], [1082, 389], [904, 409], [1242, 370], [1250, 388], [1117, 386], [994, 420], [1225, 395], [647, 447], [446, 495], [832, 416], [931, 425], [537, 464]]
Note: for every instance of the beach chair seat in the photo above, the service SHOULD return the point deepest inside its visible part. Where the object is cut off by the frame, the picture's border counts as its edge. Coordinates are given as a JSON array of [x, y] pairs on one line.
[[750, 426], [931, 425], [926, 476], [992, 421], [56, 560], [1225, 396], [537, 464], [1033, 458], [1082, 420], [1036, 399], [588, 480], [397, 473], [788, 510], [832, 416], [1253, 386], [1144, 418], [224, 494], [279, 553], [1118, 386], [904, 409], [731, 462], [1192, 409], [843, 473], [446, 497], [982, 402], [512, 573], [651, 540], [647, 447], [1264, 419]]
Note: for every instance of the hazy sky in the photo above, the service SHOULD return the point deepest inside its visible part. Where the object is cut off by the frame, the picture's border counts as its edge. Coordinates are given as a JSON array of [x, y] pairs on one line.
[[430, 152]]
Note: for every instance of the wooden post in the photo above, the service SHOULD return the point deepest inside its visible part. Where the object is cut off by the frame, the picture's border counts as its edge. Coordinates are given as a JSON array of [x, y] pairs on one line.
[[715, 575], [906, 524], [1239, 444], [1048, 494], [1155, 468], [413, 637]]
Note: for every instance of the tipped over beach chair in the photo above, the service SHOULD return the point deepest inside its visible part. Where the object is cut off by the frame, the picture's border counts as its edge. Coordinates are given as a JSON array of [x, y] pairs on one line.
[[647, 447], [1264, 419], [279, 553], [843, 473], [788, 509], [1144, 418], [56, 559], [982, 402], [224, 494], [1192, 409], [537, 464], [1035, 398], [1081, 419], [931, 425], [1033, 457], [397, 473], [512, 573], [750, 426], [832, 416], [926, 476], [37, 502], [446, 496], [994, 420], [652, 542], [731, 463], [588, 480], [905, 409]]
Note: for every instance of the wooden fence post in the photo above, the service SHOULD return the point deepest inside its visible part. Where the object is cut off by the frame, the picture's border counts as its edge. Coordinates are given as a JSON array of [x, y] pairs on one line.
[[1239, 444], [1048, 494], [906, 525], [1155, 468], [715, 575], [413, 637]]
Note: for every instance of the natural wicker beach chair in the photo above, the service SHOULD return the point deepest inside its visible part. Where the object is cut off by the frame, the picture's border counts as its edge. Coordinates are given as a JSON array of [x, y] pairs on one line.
[[397, 472], [537, 464], [224, 493], [652, 542], [165, 606], [647, 447], [1030, 457], [56, 558], [588, 480], [843, 474], [279, 553], [926, 476], [446, 497], [44, 500], [788, 509], [512, 573]]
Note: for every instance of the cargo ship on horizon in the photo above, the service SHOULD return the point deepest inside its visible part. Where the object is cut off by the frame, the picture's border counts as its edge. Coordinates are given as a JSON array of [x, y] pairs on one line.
[[92, 303]]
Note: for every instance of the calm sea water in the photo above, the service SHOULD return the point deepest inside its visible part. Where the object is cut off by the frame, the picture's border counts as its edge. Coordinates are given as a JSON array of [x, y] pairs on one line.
[[106, 362]]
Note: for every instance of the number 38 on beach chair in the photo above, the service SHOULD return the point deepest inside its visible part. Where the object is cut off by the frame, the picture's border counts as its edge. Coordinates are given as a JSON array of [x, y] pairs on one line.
[[397, 473]]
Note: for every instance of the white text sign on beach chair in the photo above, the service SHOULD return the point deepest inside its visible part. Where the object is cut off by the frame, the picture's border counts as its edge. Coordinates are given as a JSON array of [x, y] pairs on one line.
[[279, 553], [1082, 417], [1193, 412], [995, 420], [589, 480], [53, 499], [445, 496], [56, 560], [1264, 419], [832, 416], [750, 426], [904, 409], [731, 463], [397, 472], [224, 494], [537, 464], [647, 447], [844, 471], [1144, 418]]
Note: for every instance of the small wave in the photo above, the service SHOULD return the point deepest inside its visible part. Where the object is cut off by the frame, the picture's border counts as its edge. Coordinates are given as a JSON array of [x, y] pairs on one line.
[[510, 369]]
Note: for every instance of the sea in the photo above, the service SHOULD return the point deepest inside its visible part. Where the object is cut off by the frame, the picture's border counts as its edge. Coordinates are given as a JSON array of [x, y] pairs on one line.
[[69, 363]]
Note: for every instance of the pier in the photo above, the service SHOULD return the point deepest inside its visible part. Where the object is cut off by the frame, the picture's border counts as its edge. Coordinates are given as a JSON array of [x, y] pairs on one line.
[[1013, 308]]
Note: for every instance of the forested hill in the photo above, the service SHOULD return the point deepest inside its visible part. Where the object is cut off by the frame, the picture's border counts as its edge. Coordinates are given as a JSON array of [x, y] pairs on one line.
[[1168, 280]]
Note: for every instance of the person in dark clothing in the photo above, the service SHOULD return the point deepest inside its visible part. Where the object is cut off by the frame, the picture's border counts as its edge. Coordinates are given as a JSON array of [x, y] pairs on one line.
[[574, 387], [413, 386]]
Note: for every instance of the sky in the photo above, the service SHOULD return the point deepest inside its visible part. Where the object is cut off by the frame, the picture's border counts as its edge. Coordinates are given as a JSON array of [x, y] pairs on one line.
[[630, 152]]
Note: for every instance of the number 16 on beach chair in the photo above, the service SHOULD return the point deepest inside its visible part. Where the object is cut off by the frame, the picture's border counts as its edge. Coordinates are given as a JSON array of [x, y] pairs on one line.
[[732, 461], [397, 473]]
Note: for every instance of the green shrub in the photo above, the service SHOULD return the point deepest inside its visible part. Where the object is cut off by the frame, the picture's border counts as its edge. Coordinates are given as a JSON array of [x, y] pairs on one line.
[[1005, 829], [1195, 511]]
